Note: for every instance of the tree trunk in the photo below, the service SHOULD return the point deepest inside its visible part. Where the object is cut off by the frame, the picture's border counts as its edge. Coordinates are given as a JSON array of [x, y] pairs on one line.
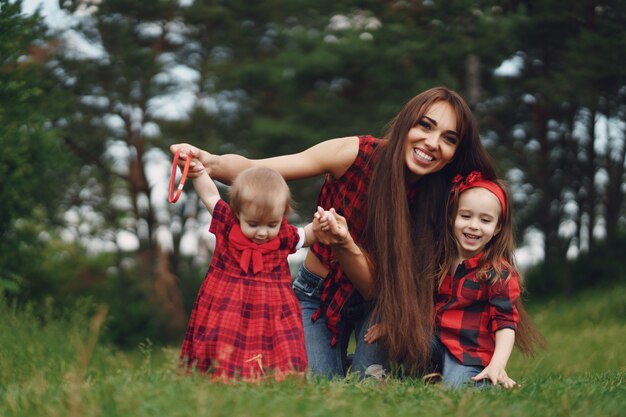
[[549, 204], [160, 281], [614, 190], [589, 175], [472, 65], [167, 295]]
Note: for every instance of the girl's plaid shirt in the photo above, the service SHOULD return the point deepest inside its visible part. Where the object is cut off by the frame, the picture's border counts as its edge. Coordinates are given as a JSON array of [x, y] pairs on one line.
[[469, 312]]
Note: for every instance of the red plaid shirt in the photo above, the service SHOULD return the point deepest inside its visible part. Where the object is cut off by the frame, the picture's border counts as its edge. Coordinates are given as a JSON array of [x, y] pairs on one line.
[[469, 312], [348, 195]]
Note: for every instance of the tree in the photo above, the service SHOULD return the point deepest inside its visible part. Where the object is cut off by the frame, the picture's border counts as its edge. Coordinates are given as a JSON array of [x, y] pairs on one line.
[[560, 121], [31, 154], [116, 134], [274, 77], [320, 71]]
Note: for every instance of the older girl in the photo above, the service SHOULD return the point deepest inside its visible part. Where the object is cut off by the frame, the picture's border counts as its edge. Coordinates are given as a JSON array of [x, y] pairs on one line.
[[479, 313]]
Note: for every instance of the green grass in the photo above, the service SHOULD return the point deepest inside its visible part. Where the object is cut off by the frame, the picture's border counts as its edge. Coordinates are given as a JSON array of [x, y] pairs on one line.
[[586, 333], [58, 369]]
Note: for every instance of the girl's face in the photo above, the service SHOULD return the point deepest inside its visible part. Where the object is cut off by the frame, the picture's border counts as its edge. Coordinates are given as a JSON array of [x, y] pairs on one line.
[[432, 142], [260, 229], [477, 221]]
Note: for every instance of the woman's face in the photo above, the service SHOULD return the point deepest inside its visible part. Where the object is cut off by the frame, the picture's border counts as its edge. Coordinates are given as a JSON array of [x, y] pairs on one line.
[[432, 142]]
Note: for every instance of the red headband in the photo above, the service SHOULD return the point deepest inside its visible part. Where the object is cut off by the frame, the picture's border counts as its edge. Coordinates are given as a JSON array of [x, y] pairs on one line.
[[475, 179]]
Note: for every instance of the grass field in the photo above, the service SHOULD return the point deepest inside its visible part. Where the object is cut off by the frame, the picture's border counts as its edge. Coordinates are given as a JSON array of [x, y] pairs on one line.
[[58, 369]]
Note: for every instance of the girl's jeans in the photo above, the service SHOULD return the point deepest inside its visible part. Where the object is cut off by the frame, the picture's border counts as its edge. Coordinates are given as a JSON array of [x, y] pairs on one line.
[[332, 362], [453, 373]]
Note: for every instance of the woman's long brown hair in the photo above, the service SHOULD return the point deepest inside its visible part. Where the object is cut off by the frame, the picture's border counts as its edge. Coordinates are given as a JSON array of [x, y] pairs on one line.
[[402, 236], [497, 262]]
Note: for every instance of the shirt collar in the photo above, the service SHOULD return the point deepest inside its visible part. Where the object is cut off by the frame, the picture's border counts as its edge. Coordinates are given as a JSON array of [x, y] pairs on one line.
[[473, 262]]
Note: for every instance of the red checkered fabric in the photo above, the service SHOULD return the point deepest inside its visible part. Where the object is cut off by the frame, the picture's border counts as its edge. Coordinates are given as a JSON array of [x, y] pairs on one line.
[[469, 312], [348, 195], [246, 325]]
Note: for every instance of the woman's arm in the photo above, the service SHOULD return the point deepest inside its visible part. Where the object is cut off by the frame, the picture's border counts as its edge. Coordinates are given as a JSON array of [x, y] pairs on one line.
[[332, 229], [333, 156]]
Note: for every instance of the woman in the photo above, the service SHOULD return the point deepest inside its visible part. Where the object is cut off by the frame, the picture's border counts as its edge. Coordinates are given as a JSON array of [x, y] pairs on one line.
[[392, 192]]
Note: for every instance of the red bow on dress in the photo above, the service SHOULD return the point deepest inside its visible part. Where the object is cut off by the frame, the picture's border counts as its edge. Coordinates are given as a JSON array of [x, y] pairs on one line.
[[251, 251]]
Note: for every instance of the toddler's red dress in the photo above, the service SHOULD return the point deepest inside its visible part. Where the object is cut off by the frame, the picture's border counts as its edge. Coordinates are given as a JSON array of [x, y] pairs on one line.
[[246, 324]]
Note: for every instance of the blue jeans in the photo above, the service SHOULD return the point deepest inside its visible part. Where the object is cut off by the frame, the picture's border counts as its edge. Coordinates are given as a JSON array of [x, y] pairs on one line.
[[332, 361], [453, 373]]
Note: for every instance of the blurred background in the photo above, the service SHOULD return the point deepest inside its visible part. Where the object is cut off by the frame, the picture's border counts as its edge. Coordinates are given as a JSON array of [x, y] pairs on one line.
[[93, 92]]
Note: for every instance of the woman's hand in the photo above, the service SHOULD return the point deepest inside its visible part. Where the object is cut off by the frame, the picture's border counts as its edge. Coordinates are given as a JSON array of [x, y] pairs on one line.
[[330, 228], [374, 333], [189, 151]]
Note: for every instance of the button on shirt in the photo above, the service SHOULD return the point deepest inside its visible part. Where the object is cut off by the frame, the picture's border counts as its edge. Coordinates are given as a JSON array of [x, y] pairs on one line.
[[469, 312]]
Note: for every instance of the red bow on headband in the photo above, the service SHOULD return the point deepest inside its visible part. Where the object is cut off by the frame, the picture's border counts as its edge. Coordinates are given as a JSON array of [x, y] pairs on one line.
[[475, 179]]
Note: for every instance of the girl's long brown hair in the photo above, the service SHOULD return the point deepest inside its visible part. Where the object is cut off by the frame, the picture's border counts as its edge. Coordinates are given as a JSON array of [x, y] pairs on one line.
[[402, 236], [497, 262]]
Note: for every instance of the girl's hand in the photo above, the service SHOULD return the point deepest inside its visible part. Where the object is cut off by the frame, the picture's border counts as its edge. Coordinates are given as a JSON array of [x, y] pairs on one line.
[[329, 227], [497, 375], [374, 333], [198, 170]]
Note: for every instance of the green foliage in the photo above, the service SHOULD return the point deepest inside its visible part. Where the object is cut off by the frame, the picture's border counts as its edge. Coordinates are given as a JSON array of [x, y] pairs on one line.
[[545, 117], [24, 143], [41, 340], [133, 315], [282, 76], [45, 266], [34, 166], [582, 331], [602, 266], [307, 78], [62, 371], [52, 269], [18, 31]]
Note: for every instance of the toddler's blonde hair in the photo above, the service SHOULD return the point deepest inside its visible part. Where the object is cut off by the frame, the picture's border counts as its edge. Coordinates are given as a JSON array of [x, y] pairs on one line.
[[262, 189]]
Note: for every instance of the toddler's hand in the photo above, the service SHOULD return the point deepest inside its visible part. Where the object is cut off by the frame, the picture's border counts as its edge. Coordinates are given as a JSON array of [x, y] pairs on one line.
[[196, 169], [329, 227]]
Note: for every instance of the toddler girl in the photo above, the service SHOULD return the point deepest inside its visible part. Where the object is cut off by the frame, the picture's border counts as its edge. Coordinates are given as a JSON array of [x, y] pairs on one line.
[[246, 322]]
